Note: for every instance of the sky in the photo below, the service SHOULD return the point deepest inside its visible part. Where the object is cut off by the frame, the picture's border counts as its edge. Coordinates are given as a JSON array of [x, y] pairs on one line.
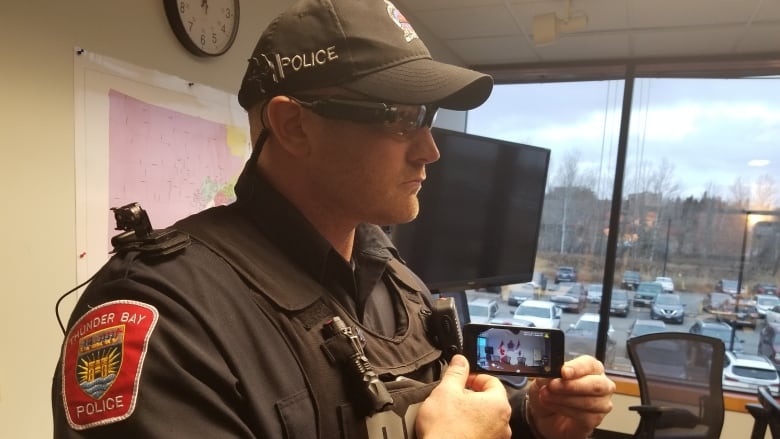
[[709, 131]]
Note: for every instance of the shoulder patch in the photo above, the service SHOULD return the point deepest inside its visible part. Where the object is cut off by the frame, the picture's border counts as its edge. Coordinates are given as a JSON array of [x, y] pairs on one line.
[[102, 360]]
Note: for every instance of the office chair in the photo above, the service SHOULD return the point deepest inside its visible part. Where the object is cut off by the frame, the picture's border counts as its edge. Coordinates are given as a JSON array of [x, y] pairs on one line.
[[680, 385], [765, 413]]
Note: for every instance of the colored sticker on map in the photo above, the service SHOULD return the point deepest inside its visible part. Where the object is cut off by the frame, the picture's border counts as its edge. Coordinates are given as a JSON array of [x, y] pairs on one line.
[[102, 361]]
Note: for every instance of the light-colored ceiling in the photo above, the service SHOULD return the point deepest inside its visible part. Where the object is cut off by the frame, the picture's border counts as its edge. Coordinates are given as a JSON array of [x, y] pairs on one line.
[[499, 32]]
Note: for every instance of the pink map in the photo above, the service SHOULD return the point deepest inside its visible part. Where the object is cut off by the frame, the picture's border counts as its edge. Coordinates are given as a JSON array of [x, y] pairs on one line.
[[172, 163]]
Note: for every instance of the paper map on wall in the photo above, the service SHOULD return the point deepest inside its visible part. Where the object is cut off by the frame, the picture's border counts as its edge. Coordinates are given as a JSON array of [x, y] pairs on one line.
[[170, 144], [172, 163]]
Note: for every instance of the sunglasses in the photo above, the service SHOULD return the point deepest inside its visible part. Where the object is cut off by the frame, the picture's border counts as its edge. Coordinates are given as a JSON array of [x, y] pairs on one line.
[[395, 118]]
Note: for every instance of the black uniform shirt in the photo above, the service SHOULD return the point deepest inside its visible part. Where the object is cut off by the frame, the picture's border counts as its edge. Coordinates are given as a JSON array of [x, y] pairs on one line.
[[365, 291]]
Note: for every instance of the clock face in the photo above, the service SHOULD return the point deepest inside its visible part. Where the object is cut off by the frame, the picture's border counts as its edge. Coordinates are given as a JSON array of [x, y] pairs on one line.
[[204, 27]]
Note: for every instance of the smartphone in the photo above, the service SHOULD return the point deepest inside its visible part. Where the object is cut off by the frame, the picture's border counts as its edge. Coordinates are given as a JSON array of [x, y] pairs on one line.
[[513, 350]]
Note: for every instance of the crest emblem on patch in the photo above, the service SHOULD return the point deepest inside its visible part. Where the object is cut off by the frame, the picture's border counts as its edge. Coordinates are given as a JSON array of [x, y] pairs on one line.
[[401, 21], [102, 361], [99, 360]]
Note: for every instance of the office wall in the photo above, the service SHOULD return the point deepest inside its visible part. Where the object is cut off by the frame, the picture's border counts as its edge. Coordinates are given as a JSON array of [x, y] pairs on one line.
[[37, 225]]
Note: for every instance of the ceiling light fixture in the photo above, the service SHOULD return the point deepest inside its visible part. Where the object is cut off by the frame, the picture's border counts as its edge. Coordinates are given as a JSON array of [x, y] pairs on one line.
[[546, 27]]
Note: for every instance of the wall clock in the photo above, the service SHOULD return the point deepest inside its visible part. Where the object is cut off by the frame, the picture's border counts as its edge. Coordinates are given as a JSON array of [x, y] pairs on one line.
[[204, 27]]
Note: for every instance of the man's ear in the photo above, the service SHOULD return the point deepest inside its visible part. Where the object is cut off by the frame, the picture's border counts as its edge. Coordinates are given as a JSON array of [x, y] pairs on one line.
[[286, 119]]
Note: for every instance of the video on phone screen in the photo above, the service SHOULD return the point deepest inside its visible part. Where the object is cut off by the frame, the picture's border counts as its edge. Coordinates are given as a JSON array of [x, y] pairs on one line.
[[509, 350]]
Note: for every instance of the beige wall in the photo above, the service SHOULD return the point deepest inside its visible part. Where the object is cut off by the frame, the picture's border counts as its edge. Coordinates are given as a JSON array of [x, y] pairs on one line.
[[37, 226]]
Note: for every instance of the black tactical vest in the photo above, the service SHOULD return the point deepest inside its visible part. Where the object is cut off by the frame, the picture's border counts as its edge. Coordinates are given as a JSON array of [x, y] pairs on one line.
[[347, 368]]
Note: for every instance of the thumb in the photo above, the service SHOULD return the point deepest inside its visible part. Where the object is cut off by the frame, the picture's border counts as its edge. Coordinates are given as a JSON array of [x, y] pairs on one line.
[[457, 373]]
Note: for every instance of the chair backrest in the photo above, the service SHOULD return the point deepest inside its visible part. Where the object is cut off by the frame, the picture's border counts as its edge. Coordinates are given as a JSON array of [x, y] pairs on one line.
[[772, 409], [681, 371]]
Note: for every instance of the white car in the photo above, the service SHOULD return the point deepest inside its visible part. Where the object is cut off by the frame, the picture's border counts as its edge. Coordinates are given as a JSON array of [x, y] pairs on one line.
[[666, 282], [580, 339], [594, 293], [747, 372], [541, 313], [482, 310], [765, 302], [773, 314]]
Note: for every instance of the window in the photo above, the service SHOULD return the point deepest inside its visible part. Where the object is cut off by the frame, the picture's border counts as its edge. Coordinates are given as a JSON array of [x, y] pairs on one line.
[[699, 187]]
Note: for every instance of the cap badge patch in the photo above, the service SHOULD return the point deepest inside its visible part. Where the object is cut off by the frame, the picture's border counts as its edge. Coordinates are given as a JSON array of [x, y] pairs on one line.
[[401, 21], [101, 363]]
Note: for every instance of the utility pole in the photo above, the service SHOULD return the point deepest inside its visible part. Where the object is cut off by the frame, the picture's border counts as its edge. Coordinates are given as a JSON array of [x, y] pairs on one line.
[[666, 250]]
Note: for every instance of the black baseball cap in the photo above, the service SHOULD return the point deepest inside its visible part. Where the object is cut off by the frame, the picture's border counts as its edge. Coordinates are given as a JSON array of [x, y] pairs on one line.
[[366, 46]]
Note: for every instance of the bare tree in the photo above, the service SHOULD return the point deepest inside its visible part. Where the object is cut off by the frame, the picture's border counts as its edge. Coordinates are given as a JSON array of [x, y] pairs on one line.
[[569, 176], [765, 193], [661, 181], [740, 193]]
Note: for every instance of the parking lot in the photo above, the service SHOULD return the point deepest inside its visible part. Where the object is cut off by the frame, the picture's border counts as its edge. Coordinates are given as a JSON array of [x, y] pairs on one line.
[[693, 310]]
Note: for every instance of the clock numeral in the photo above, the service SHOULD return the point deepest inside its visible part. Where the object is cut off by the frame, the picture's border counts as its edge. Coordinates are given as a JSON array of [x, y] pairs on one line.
[[213, 38], [228, 13], [202, 39], [190, 24], [223, 28], [183, 6]]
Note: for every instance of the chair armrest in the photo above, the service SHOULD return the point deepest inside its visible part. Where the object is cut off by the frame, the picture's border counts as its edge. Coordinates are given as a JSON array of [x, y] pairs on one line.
[[760, 421], [757, 410], [666, 417]]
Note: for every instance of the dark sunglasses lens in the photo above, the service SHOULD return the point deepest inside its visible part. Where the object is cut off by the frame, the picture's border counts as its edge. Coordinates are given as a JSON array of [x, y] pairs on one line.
[[430, 116]]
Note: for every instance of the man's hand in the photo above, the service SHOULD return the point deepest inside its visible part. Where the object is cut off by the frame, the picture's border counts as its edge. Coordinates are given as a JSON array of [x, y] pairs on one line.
[[571, 406], [465, 406]]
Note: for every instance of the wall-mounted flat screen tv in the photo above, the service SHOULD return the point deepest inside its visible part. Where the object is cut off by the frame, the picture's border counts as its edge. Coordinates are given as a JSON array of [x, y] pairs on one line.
[[480, 213]]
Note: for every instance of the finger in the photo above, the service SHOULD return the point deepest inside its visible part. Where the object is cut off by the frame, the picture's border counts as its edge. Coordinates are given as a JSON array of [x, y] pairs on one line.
[[485, 383], [581, 366], [457, 374], [588, 385]]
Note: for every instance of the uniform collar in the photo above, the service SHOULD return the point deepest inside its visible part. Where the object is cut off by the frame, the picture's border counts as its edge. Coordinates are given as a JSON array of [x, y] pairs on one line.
[[286, 227]]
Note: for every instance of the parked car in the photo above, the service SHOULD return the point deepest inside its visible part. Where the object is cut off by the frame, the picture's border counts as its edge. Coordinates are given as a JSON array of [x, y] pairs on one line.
[[541, 313], [580, 338], [482, 310], [512, 321], [717, 329], [716, 301], [738, 314], [668, 307], [773, 315], [565, 274], [765, 302], [666, 283], [727, 286], [747, 372], [574, 299], [644, 326], [765, 288], [769, 343], [519, 293], [630, 280], [619, 305], [594, 293], [646, 293]]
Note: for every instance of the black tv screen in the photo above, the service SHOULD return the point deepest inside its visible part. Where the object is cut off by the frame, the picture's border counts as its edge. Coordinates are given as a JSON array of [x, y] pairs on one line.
[[480, 213]]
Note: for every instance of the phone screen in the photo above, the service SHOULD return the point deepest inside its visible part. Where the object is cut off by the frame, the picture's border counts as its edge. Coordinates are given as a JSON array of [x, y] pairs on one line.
[[513, 350]]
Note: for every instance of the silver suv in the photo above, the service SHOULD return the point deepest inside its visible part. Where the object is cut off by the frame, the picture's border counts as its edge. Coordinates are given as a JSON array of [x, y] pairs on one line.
[[482, 310]]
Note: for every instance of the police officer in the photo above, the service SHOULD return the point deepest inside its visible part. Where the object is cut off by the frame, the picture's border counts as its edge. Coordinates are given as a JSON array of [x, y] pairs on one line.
[[289, 314]]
